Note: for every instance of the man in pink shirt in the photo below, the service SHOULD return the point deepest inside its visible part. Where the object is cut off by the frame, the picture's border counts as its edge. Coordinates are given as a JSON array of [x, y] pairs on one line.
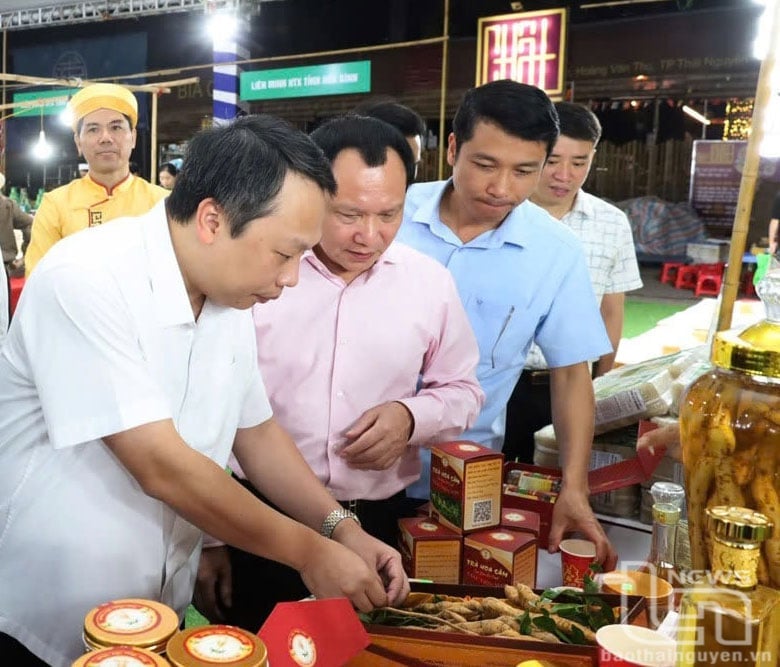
[[368, 359]]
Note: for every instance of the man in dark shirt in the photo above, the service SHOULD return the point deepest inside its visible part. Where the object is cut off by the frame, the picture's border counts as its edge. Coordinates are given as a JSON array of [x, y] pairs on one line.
[[12, 217]]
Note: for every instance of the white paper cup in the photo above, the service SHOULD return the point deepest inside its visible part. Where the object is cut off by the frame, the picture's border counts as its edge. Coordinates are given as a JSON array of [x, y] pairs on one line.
[[634, 646]]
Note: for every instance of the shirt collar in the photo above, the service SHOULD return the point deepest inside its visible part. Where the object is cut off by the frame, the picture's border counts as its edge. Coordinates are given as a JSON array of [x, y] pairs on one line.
[[390, 256], [583, 206], [171, 303], [513, 230], [123, 185]]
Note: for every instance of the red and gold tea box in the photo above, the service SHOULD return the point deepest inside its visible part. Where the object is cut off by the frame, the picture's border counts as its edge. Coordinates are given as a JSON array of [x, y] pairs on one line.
[[466, 485], [497, 557], [429, 550], [524, 521], [209, 645], [525, 501]]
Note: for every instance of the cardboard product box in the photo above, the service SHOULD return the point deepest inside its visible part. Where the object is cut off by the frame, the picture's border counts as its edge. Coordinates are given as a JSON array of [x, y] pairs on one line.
[[524, 522], [391, 647], [499, 556], [466, 485], [429, 550], [542, 508], [608, 448]]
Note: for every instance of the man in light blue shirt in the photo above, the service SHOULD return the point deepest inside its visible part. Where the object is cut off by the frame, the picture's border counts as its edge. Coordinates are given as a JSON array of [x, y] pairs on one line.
[[522, 278]]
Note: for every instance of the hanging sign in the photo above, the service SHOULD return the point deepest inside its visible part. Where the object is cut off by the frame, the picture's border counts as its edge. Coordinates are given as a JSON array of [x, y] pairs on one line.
[[53, 102], [311, 81], [529, 47]]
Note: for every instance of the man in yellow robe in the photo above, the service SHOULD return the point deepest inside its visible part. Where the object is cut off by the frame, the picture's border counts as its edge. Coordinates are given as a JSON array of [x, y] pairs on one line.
[[104, 120]]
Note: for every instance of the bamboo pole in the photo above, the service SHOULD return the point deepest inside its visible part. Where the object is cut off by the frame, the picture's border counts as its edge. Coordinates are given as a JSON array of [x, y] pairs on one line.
[[2, 120], [443, 101], [747, 186], [153, 148]]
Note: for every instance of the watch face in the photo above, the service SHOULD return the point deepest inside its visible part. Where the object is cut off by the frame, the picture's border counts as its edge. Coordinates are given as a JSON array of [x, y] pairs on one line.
[[302, 648]]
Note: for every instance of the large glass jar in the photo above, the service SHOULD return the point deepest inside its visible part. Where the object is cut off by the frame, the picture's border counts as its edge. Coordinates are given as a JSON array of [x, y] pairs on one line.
[[730, 432]]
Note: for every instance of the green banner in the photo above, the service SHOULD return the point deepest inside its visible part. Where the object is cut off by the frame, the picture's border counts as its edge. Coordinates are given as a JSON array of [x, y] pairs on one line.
[[315, 80], [52, 101]]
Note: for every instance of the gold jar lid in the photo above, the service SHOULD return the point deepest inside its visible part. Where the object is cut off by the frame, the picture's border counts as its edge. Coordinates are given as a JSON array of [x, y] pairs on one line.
[[738, 524], [210, 645], [130, 622], [755, 351], [131, 656]]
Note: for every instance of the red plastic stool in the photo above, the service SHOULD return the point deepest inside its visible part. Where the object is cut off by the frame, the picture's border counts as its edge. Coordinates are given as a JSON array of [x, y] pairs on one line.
[[747, 287], [709, 280], [687, 276], [669, 272]]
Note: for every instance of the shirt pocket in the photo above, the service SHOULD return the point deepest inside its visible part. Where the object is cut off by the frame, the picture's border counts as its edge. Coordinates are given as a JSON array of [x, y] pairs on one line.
[[495, 325]]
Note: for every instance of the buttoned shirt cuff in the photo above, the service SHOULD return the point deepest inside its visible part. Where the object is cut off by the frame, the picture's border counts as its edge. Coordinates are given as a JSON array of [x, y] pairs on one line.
[[425, 427]]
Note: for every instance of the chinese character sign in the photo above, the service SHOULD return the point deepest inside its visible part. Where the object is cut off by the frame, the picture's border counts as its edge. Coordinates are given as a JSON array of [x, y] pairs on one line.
[[529, 47]]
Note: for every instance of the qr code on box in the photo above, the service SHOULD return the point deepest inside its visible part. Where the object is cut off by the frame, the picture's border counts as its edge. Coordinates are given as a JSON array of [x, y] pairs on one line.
[[483, 512]]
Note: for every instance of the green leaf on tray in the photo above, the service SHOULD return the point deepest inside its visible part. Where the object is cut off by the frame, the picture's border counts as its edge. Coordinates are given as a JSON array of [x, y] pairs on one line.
[[525, 623]]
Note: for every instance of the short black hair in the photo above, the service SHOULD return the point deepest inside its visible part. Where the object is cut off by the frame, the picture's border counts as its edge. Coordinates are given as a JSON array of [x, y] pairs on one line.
[[371, 137], [518, 109], [404, 118], [578, 122], [242, 166], [170, 168]]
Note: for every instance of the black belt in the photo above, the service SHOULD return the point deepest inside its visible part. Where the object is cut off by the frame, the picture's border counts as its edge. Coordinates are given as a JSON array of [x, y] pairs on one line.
[[356, 505], [541, 376]]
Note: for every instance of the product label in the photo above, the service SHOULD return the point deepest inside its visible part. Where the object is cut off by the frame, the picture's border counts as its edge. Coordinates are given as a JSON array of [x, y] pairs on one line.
[[121, 656], [482, 566], [626, 404], [482, 494], [438, 561], [302, 648], [447, 488], [126, 618], [221, 645]]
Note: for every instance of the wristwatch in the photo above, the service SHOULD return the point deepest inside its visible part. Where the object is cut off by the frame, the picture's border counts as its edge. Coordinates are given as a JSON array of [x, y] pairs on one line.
[[334, 519]]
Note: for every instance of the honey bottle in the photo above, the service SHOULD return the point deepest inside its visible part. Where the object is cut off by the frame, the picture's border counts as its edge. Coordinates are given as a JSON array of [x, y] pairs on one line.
[[728, 618]]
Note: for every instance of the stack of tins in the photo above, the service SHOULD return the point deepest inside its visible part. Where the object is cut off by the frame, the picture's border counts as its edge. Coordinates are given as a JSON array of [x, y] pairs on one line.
[[208, 645], [133, 623]]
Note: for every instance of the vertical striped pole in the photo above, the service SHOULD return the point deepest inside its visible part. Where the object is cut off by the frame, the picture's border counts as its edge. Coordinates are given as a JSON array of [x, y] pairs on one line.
[[229, 46]]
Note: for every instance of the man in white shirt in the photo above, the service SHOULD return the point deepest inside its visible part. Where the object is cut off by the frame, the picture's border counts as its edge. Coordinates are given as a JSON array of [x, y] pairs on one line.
[[605, 233], [114, 432]]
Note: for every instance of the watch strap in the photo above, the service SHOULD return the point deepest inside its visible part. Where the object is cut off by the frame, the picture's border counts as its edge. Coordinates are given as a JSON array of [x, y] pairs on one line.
[[334, 519]]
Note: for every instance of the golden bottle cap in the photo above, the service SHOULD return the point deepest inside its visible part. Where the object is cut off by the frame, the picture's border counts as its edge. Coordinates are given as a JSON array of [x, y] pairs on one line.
[[130, 622], [738, 524], [120, 655], [210, 645], [755, 351]]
